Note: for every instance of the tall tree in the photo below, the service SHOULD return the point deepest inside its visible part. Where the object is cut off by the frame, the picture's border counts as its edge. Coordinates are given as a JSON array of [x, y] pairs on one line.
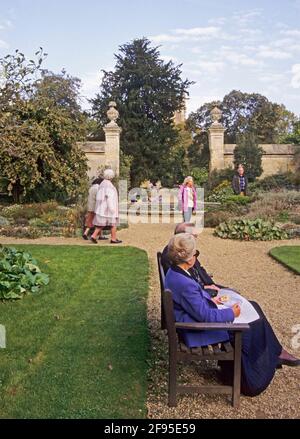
[[40, 123], [147, 91], [294, 137], [248, 153], [244, 112]]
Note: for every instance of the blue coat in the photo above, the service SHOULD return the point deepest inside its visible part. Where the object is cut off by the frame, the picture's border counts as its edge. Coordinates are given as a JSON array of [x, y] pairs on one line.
[[194, 304]]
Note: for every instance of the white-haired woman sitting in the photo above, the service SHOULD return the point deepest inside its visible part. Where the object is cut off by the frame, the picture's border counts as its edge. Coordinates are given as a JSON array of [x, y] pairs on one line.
[[107, 208], [262, 353]]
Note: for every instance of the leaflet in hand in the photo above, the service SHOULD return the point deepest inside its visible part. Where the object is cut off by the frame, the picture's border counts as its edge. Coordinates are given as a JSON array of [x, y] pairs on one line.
[[230, 297]]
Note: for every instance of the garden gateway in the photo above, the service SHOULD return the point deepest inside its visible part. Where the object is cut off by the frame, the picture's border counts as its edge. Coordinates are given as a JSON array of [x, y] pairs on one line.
[[276, 159]]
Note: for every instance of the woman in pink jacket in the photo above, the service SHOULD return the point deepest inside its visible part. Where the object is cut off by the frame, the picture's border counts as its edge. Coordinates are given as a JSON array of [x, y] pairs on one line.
[[187, 198]]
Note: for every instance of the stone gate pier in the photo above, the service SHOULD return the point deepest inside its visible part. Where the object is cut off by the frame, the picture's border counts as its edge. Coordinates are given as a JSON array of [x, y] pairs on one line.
[[277, 158], [107, 153]]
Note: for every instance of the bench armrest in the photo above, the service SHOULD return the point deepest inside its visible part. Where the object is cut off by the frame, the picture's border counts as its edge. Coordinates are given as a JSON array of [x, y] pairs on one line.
[[213, 326]]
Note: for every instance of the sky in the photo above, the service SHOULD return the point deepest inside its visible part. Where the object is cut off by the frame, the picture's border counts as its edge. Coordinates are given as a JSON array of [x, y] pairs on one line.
[[252, 46]]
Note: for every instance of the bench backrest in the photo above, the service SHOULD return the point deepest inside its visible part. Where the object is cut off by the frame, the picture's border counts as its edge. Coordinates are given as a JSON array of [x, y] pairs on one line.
[[168, 307], [162, 287]]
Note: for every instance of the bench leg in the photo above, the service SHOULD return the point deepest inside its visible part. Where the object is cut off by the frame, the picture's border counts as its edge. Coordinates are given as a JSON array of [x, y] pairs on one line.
[[172, 379], [236, 390]]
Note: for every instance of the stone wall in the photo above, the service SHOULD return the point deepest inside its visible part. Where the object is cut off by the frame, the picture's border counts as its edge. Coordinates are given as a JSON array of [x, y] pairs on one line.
[[276, 158], [95, 153]]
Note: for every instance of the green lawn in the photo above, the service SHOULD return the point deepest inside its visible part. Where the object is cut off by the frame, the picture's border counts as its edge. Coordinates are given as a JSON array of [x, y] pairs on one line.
[[289, 256], [79, 348]]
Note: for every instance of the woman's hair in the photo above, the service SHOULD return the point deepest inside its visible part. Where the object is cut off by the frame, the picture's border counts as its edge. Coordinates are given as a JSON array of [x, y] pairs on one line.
[[187, 179], [108, 174], [241, 166], [181, 248], [97, 180]]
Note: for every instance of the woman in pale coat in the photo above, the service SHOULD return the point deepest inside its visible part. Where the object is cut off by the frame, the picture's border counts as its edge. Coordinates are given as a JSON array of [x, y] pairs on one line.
[[107, 208], [91, 205]]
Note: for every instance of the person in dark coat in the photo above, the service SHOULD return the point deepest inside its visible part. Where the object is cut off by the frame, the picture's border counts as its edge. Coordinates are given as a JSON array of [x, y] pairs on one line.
[[262, 353], [198, 272], [240, 182]]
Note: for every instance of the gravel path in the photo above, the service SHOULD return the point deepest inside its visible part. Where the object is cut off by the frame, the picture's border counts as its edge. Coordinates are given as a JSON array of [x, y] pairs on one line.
[[246, 267]]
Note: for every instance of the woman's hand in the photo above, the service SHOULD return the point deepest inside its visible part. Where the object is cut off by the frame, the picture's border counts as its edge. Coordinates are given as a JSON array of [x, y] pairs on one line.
[[217, 300], [236, 310], [212, 287]]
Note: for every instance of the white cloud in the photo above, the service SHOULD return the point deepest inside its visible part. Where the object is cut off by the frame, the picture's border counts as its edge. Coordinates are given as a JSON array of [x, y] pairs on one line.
[[269, 52], [291, 33], [272, 78], [282, 43], [218, 21], [294, 47], [251, 32], [211, 67], [244, 18], [168, 58], [235, 57], [192, 34], [196, 101], [295, 83], [5, 24], [166, 38], [206, 32], [90, 83], [4, 44]]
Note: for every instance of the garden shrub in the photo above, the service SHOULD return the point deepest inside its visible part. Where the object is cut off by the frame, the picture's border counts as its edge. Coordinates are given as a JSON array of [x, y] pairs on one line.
[[256, 230], [4, 221], [214, 218], [21, 232], [19, 274], [292, 230], [295, 219], [283, 216], [39, 223], [276, 182], [200, 175], [21, 222], [218, 177], [28, 211], [270, 205], [238, 199], [220, 192], [41, 219]]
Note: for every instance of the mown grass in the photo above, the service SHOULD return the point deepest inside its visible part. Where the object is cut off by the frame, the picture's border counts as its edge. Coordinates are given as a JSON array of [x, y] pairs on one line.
[[289, 256], [79, 348]]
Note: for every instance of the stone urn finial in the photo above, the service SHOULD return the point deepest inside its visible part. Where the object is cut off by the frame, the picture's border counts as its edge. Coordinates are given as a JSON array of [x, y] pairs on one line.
[[112, 114], [216, 115]]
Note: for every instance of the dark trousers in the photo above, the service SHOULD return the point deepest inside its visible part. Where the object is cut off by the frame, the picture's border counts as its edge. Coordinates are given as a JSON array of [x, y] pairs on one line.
[[260, 352]]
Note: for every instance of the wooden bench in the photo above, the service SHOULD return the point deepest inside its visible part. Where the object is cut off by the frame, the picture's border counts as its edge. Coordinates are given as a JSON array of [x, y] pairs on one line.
[[178, 351]]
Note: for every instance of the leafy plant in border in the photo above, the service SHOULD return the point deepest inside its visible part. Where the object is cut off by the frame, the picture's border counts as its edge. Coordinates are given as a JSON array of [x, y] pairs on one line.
[[250, 230], [19, 274]]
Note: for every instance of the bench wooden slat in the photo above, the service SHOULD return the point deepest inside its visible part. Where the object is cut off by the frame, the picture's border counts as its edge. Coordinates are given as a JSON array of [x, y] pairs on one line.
[[206, 350], [216, 349], [227, 346], [197, 351], [183, 347]]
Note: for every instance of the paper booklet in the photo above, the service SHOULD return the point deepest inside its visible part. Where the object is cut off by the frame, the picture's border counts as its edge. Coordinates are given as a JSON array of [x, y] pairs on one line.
[[230, 297]]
